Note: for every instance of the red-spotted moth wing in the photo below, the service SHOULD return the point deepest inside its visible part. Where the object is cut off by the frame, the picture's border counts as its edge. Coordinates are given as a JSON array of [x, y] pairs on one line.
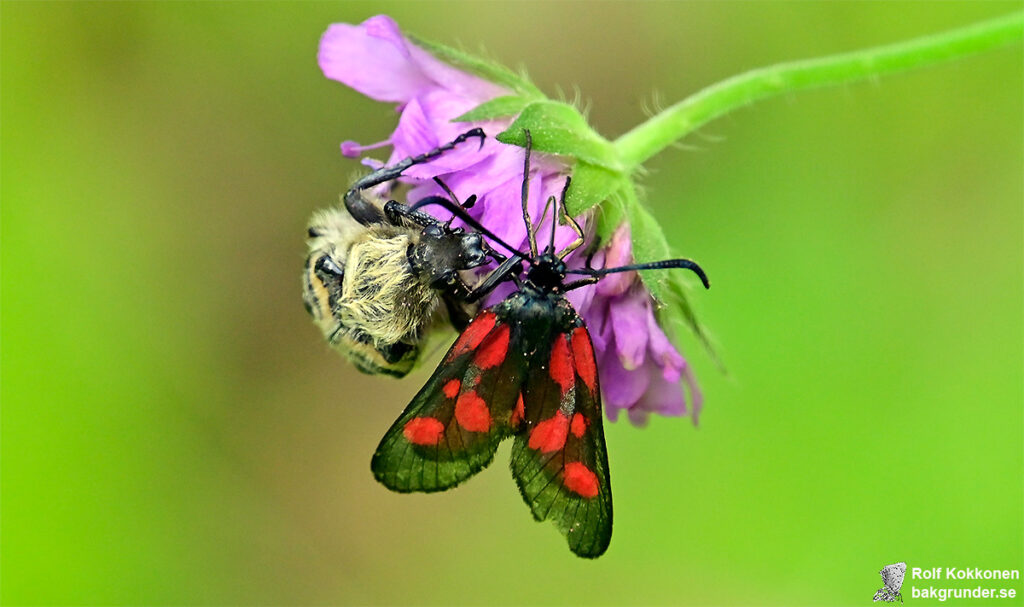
[[559, 459], [452, 427], [526, 368]]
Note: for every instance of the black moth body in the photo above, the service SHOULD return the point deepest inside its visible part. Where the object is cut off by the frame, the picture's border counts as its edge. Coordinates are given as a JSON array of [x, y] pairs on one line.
[[523, 368]]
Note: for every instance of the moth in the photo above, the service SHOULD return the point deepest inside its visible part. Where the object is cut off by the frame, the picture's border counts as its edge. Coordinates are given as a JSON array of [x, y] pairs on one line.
[[523, 368], [377, 274], [892, 577]]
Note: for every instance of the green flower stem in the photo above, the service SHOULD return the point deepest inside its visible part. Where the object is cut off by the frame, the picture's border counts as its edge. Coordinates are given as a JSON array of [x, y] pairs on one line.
[[676, 122]]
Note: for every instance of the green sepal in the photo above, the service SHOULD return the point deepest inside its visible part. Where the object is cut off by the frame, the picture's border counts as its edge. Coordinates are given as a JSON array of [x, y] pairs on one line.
[[559, 128], [608, 218], [677, 312], [591, 186], [669, 287], [649, 242], [485, 68], [499, 107]]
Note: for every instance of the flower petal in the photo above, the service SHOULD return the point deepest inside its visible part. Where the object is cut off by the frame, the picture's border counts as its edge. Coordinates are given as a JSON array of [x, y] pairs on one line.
[[662, 352], [372, 58], [629, 321], [424, 126], [618, 252], [375, 59], [454, 79], [662, 397], [622, 388]]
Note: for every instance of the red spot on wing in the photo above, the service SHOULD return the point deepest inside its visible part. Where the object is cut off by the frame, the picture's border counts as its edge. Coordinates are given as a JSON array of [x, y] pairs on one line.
[[549, 435], [473, 334], [518, 413], [451, 389], [578, 425], [423, 430], [493, 350], [583, 356], [561, 364], [580, 480], [472, 414]]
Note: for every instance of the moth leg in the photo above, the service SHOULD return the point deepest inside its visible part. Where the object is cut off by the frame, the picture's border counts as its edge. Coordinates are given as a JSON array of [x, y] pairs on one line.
[[579, 283], [363, 210], [567, 219]]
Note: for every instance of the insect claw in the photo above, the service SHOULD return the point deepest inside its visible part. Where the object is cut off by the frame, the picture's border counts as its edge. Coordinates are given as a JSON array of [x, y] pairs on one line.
[[476, 132]]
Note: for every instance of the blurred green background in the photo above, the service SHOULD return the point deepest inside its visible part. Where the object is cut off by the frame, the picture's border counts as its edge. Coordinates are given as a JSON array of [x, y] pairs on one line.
[[175, 431]]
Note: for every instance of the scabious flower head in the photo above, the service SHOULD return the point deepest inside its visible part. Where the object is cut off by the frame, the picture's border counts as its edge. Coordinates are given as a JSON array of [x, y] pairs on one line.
[[640, 369]]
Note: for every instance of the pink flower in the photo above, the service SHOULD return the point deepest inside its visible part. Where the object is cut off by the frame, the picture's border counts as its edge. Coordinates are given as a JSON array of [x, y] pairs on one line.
[[640, 369]]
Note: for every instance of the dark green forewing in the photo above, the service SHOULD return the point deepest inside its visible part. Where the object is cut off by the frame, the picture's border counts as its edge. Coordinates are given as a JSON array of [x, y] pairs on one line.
[[453, 425]]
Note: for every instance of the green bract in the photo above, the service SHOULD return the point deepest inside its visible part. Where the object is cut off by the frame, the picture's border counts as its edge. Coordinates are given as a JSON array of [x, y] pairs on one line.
[[499, 107], [559, 128]]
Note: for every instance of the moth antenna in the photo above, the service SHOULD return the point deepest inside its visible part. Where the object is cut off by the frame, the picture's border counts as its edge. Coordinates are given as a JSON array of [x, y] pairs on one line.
[[686, 264], [531, 236]]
